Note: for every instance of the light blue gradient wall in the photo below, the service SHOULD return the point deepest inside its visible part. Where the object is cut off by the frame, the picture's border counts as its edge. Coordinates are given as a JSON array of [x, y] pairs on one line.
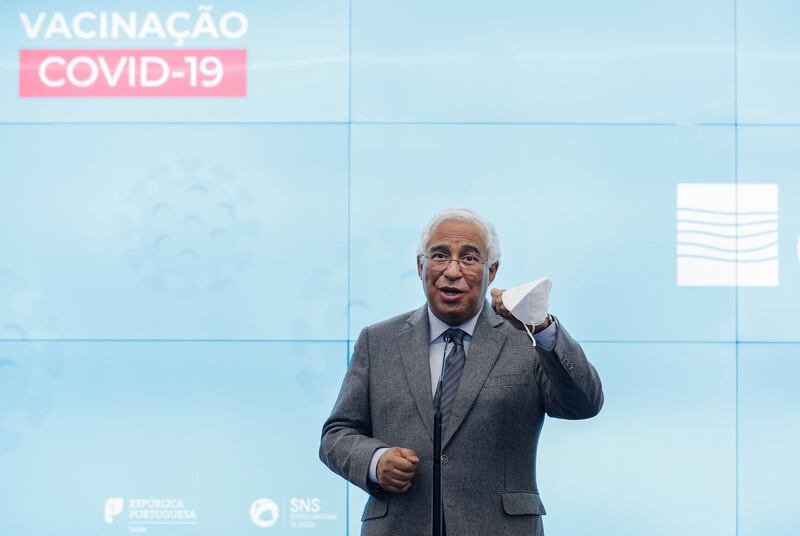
[[181, 281]]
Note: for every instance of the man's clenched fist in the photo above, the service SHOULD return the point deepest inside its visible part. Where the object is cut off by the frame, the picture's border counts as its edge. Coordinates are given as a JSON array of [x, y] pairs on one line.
[[396, 468]]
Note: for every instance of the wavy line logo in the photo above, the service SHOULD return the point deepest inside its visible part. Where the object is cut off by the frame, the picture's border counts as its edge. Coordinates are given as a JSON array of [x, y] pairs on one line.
[[727, 235]]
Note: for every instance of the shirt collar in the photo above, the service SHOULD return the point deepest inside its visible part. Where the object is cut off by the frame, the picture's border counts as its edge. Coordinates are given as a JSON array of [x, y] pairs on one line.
[[438, 326]]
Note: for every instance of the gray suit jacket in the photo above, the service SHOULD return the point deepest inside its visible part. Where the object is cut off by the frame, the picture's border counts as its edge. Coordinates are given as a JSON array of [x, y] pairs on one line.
[[489, 448]]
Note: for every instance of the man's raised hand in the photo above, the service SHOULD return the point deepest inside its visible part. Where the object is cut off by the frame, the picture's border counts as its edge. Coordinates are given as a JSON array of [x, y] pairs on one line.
[[500, 308]]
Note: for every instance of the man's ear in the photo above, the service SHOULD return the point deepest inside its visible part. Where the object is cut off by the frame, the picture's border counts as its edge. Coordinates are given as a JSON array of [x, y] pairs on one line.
[[493, 271], [420, 267]]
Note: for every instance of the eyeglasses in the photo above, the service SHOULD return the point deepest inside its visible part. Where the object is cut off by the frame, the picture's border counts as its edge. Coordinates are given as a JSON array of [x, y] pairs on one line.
[[440, 261]]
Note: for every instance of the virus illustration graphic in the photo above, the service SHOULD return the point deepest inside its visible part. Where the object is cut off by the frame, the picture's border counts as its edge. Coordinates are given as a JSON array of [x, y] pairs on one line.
[[192, 231], [29, 365]]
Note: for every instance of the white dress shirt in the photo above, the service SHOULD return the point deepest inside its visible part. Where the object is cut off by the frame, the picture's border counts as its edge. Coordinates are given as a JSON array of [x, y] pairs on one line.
[[545, 338]]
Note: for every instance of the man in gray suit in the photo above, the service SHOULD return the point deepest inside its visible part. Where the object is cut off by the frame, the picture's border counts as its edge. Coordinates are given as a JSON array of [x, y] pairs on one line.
[[496, 388]]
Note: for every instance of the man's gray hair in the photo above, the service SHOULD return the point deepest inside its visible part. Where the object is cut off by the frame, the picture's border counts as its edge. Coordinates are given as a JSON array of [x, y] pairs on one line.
[[465, 215]]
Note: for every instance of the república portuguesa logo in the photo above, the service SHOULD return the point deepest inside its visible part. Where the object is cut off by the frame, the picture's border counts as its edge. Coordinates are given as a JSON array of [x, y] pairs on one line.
[[142, 514], [134, 72]]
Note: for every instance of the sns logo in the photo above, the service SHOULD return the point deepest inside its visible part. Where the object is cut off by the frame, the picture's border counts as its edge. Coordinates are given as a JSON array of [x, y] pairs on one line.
[[300, 506], [113, 508], [264, 513]]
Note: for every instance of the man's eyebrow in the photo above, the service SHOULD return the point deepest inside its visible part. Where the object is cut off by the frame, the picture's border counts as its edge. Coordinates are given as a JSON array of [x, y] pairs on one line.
[[471, 247], [466, 248]]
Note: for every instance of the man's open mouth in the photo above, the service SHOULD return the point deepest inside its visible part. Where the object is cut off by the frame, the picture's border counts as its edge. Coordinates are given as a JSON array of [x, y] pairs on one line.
[[450, 291]]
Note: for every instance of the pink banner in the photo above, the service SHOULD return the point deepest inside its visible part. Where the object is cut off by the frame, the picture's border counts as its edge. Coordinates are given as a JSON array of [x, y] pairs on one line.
[[133, 73]]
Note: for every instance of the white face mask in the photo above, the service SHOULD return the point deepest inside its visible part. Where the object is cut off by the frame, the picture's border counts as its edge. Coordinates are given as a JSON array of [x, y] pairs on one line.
[[529, 303]]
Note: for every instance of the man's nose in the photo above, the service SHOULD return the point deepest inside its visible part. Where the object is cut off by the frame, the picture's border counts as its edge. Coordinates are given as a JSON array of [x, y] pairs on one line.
[[453, 270]]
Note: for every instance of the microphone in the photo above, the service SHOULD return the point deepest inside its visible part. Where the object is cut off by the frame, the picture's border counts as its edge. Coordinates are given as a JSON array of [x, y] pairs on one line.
[[437, 448], [447, 340]]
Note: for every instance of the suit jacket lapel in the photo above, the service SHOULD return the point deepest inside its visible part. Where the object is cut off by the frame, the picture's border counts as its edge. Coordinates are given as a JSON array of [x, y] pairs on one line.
[[415, 351], [484, 348]]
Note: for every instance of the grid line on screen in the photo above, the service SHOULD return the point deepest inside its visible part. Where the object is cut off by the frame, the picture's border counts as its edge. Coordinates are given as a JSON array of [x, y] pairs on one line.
[[736, 265], [409, 123], [349, 220], [32, 340]]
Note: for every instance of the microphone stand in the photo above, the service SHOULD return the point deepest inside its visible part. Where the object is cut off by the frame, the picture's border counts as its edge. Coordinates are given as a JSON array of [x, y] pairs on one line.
[[437, 451]]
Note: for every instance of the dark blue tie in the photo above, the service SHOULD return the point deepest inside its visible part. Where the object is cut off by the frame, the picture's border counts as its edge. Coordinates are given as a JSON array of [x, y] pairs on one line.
[[453, 366]]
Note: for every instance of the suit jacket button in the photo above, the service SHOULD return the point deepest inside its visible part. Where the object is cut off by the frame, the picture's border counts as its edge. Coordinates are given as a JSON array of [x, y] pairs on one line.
[[443, 459]]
